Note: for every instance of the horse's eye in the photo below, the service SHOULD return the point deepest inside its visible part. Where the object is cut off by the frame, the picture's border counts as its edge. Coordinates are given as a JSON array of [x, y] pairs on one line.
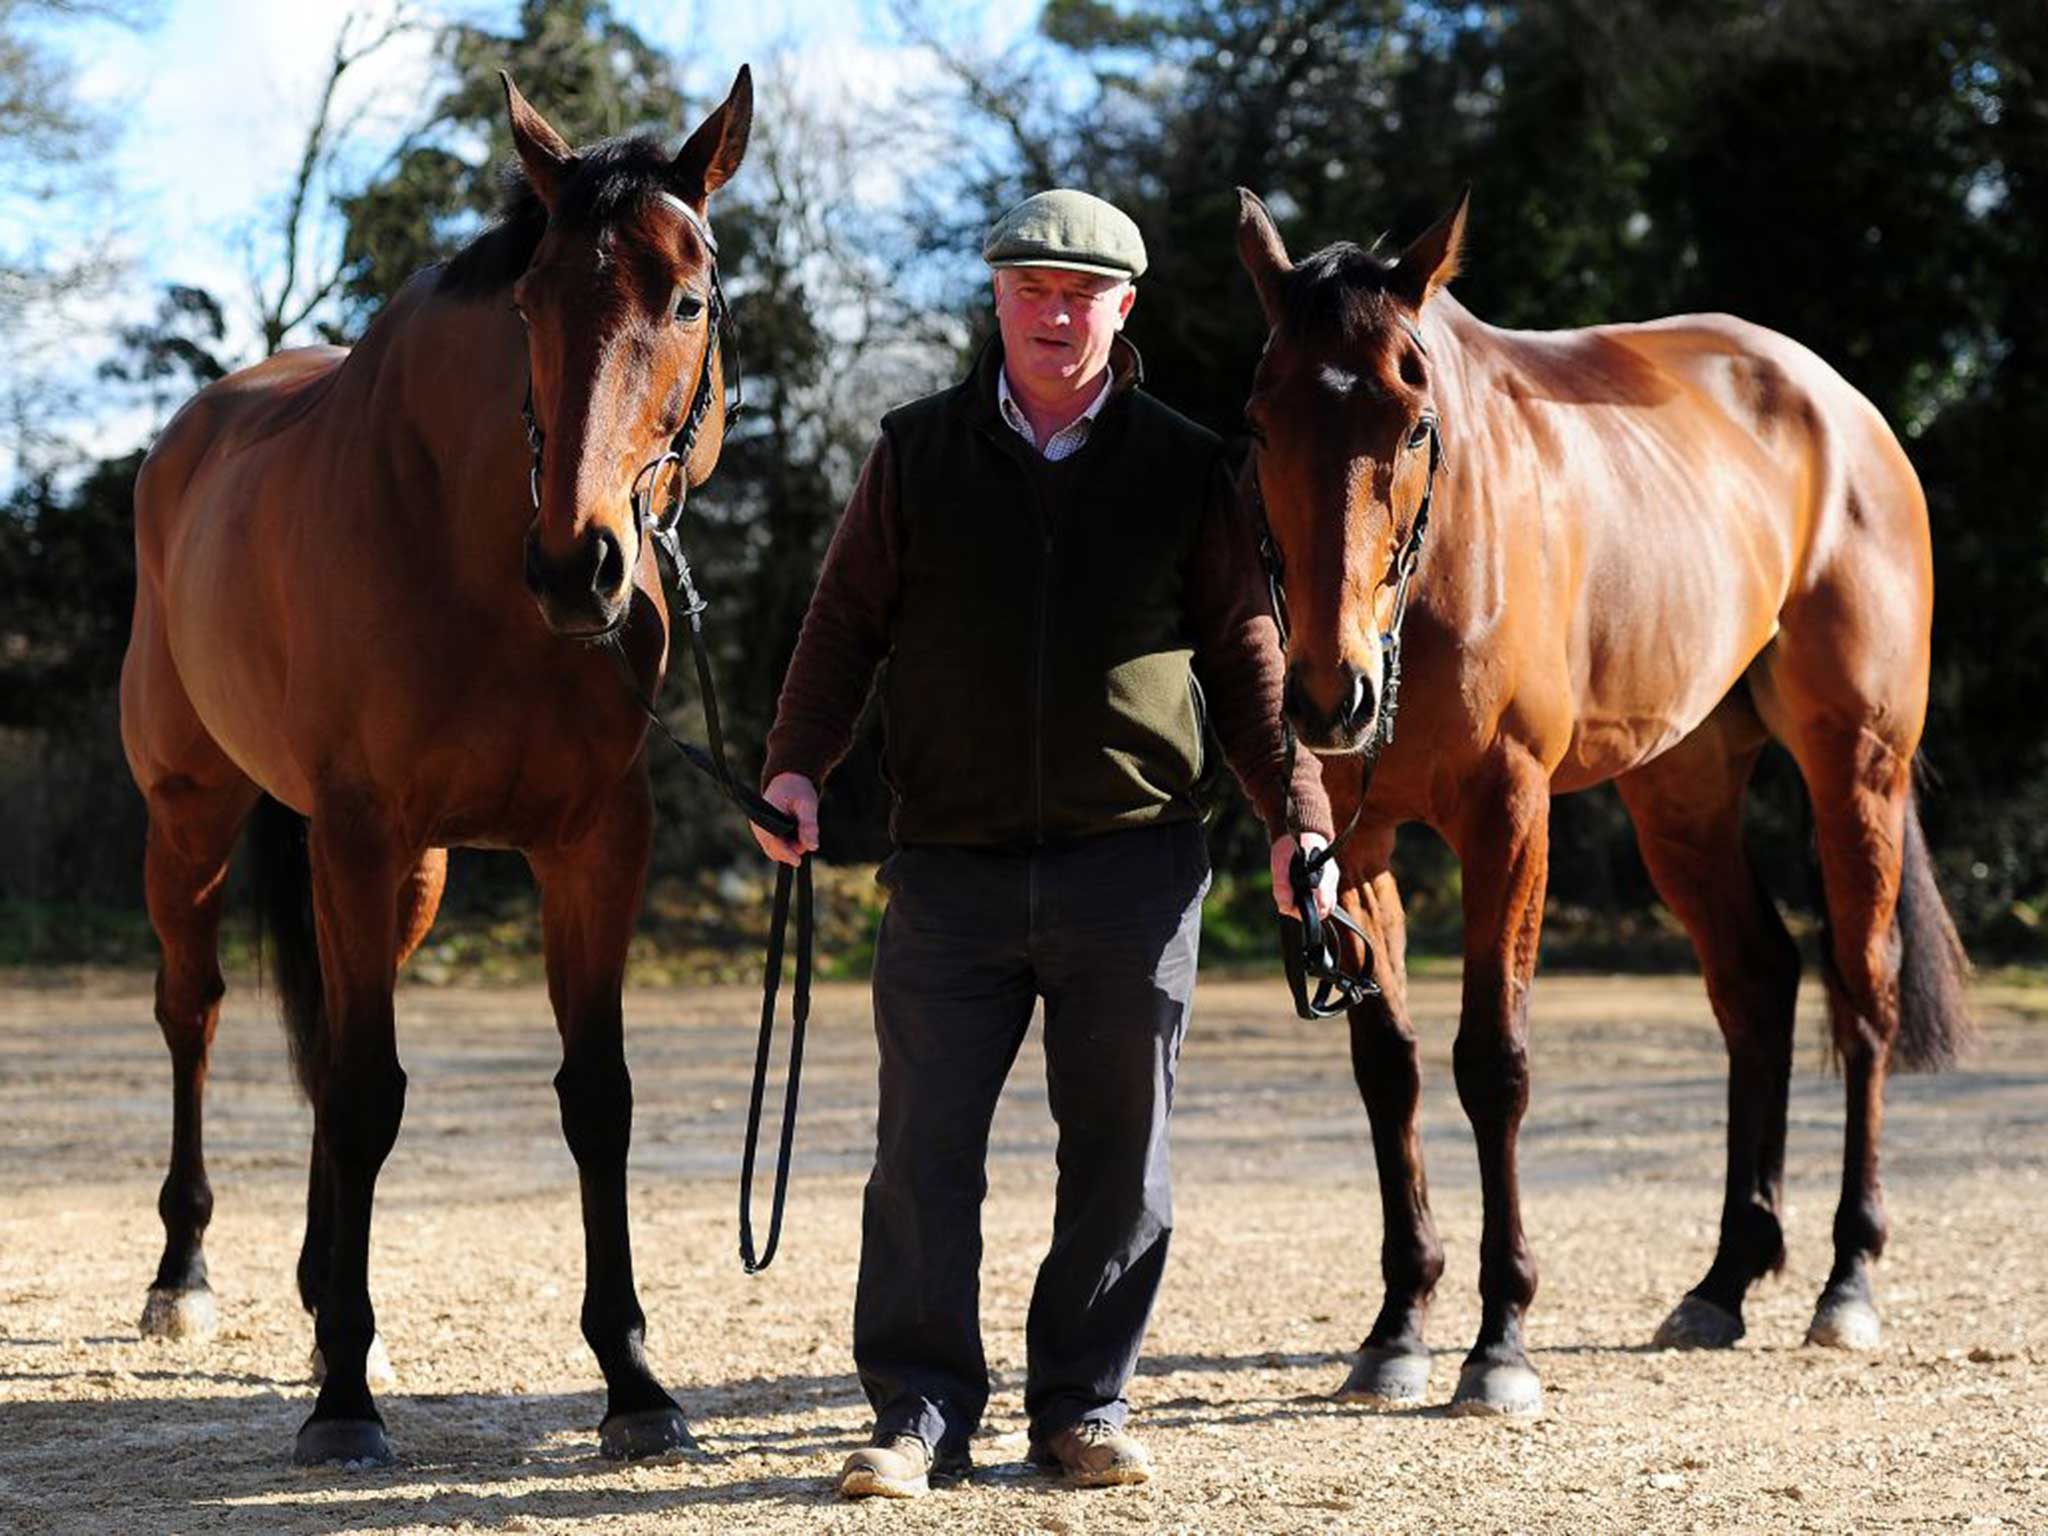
[[686, 306], [1421, 433]]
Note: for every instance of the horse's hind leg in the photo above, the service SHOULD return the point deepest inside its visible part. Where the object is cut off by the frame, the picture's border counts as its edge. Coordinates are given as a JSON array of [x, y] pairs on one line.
[[1860, 786], [1392, 1366], [1687, 809], [358, 868], [590, 897], [418, 901], [192, 830]]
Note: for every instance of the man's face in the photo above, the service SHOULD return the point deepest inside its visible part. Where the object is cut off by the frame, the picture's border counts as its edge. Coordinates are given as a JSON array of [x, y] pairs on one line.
[[1057, 325]]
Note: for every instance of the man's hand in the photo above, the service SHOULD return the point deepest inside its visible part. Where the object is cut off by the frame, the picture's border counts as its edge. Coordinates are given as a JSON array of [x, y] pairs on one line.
[[798, 796], [1326, 877]]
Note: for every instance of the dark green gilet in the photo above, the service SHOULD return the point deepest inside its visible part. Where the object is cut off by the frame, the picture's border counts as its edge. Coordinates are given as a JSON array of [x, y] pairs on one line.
[[1039, 687]]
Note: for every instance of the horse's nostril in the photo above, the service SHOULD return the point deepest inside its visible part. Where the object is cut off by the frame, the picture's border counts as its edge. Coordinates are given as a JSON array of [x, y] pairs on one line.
[[1361, 699], [536, 567], [609, 573]]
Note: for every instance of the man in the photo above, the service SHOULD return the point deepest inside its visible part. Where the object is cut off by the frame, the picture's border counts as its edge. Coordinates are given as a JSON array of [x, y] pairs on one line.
[[1038, 554]]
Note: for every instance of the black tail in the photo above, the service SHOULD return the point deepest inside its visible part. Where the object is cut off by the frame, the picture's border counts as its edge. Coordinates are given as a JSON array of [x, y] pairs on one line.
[[1935, 1026], [284, 913]]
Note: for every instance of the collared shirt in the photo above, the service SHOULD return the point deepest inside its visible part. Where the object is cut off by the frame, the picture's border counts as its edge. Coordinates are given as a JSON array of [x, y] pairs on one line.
[[1068, 440]]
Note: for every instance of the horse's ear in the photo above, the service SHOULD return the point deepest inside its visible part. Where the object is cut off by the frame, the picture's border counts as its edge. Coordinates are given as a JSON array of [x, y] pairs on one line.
[[715, 150], [1432, 261], [544, 155], [1261, 250]]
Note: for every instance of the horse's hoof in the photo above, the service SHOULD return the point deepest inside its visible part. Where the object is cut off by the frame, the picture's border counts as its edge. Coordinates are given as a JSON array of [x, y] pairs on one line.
[[1697, 1323], [650, 1432], [354, 1445], [1490, 1391], [179, 1314], [1845, 1324], [1386, 1378], [377, 1371]]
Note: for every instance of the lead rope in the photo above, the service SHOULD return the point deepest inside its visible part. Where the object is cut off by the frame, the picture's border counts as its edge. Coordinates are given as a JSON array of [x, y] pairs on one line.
[[663, 530]]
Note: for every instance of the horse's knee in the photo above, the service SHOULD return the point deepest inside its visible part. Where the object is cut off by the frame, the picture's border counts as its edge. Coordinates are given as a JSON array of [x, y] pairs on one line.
[[597, 1111], [1385, 1060], [1492, 1072]]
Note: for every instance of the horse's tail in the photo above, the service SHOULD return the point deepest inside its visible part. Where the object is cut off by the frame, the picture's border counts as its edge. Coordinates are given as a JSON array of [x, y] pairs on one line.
[[1935, 1025], [284, 913]]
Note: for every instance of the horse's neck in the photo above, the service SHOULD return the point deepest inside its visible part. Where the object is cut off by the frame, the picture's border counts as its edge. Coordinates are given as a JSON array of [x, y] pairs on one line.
[[455, 369]]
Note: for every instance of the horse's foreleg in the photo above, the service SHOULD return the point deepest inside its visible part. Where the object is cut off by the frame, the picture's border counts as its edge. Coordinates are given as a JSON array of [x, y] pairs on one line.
[[1503, 844], [358, 1095], [1393, 1363], [1687, 810], [191, 831], [590, 897]]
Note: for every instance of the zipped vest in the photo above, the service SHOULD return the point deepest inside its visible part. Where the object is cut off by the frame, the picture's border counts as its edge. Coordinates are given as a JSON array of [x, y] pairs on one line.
[[1039, 687]]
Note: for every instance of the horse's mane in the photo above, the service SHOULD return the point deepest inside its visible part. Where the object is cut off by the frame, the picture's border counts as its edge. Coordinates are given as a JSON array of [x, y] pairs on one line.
[[608, 178], [1341, 289]]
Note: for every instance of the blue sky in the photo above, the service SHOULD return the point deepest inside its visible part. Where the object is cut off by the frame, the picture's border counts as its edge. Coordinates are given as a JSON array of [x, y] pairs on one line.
[[210, 106]]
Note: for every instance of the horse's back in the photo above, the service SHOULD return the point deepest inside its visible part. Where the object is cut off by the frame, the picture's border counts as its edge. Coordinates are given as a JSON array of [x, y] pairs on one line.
[[1855, 619], [1722, 503]]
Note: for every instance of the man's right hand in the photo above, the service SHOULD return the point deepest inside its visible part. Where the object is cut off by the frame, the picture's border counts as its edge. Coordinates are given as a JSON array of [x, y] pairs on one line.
[[797, 796]]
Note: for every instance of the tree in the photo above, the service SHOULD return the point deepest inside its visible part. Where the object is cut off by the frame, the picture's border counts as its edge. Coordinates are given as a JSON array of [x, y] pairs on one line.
[[596, 77]]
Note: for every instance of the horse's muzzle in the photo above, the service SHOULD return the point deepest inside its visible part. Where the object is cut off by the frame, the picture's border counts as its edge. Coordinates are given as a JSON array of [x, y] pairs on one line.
[[1342, 725], [587, 593]]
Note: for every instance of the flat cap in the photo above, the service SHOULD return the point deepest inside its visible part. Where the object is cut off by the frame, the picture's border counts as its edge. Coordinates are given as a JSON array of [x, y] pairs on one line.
[[1065, 228]]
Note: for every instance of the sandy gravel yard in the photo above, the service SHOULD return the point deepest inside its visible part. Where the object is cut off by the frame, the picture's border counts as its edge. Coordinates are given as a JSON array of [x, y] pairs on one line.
[[476, 1271]]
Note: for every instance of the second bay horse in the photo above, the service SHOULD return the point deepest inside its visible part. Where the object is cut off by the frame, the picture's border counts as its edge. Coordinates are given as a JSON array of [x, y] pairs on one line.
[[375, 606], [1654, 549]]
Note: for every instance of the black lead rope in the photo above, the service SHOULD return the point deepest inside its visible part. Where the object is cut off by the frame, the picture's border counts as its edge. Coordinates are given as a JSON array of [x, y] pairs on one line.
[[1311, 945], [663, 530]]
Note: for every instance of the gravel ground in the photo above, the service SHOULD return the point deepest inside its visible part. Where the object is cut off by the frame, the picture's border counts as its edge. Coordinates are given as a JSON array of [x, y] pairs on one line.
[[476, 1273]]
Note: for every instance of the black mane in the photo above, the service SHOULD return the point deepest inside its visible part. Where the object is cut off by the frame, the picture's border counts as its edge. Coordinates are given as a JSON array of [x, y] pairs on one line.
[[608, 178], [1341, 289]]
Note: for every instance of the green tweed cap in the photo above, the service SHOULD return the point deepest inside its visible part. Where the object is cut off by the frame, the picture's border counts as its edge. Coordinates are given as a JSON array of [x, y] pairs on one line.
[[1065, 228]]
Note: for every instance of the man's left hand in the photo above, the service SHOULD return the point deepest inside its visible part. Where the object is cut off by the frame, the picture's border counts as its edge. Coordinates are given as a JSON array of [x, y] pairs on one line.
[[1326, 877]]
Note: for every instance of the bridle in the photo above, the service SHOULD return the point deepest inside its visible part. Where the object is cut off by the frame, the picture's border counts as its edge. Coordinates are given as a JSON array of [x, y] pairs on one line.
[[663, 530], [1314, 952], [722, 343]]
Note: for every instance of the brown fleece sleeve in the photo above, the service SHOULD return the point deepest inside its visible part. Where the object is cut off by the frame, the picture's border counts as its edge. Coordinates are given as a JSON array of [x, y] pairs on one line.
[[1238, 658], [847, 629]]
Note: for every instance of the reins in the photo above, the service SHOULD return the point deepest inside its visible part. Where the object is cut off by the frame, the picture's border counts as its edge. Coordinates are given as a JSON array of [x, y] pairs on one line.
[[663, 529], [1310, 943]]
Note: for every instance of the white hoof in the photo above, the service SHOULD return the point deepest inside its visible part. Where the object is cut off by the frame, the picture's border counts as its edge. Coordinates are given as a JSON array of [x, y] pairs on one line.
[[377, 1371], [1845, 1325], [1488, 1391], [181, 1315]]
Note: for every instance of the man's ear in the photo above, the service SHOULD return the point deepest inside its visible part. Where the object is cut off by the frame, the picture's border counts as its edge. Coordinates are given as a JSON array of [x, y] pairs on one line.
[[1432, 261], [544, 155]]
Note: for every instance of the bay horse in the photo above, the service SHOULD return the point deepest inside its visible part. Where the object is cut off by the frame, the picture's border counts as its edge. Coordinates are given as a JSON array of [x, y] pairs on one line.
[[1655, 548], [372, 611]]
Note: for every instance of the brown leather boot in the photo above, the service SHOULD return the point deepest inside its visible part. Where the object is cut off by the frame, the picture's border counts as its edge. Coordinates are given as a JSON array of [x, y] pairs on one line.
[[898, 1467], [1092, 1454]]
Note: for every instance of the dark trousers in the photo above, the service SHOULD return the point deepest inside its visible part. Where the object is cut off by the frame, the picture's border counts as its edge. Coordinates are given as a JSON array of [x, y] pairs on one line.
[[1105, 930]]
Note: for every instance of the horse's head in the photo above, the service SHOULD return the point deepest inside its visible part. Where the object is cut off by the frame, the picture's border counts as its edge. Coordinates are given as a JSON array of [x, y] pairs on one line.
[[618, 305], [1342, 410]]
